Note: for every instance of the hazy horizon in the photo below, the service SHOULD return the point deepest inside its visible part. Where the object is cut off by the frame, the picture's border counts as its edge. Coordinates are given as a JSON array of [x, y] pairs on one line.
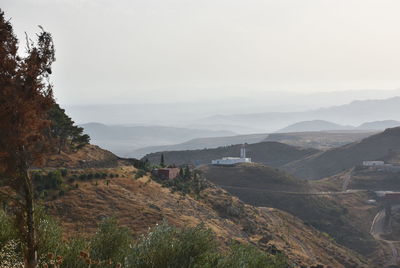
[[183, 51]]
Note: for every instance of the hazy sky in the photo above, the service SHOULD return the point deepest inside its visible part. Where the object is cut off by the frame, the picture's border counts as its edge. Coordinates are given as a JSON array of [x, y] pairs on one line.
[[163, 50]]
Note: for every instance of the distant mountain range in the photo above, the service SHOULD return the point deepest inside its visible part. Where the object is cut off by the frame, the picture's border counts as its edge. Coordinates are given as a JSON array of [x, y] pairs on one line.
[[202, 143], [136, 141], [122, 140], [353, 113], [324, 164], [322, 125], [304, 134], [379, 125], [314, 125]]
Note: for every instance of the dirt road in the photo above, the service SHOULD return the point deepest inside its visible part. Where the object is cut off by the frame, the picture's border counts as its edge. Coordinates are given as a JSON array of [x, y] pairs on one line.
[[378, 228]]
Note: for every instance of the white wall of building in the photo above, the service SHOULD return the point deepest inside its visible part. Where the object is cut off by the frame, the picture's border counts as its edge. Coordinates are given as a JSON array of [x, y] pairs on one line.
[[373, 163], [230, 161]]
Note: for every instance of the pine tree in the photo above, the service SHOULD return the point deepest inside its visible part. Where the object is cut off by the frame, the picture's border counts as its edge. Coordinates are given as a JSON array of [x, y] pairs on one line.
[[188, 173], [62, 128], [162, 162], [25, 99], [181, 173]]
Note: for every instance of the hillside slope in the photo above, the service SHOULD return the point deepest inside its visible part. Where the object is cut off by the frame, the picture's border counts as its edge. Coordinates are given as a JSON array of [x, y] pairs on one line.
[[140, 204], [335, 160], [88, 156], [270, 153], [345, 217]]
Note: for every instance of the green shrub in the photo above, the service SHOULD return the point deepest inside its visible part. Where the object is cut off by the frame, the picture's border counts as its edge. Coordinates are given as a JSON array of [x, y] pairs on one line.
[[64, 172], [167, 246], [110, 242], [53, 180], [248, 256], [71, 252], [49, 234], [97, 175], [8, 230], [164, 246], [140, 173]]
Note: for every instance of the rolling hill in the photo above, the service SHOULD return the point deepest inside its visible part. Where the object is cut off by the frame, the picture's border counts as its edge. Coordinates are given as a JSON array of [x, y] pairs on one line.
[[270, 153], [379, 125], [313, 125], [333, 161]]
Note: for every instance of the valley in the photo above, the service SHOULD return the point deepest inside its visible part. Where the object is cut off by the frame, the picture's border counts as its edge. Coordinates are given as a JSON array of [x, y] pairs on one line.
[[199, 134], [336, 206]]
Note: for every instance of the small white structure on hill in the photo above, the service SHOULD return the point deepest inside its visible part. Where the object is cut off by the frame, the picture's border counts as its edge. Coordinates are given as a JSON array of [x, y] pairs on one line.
[[373, 163], [227, 161]]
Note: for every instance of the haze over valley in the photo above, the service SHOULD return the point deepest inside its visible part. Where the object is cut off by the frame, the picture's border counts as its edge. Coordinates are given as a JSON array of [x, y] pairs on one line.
[[134, 139], [199, 134]]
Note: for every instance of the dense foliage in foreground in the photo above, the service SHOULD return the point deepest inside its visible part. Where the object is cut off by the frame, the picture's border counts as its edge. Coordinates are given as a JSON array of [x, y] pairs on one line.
[[114, 246]]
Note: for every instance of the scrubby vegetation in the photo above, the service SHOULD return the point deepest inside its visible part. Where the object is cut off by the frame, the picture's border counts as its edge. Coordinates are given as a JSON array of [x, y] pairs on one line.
[[187, 182], [115, 246], [50, 184]]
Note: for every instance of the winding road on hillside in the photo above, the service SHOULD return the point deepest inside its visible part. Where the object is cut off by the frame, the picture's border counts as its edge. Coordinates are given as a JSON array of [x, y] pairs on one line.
[[293, 193], [378, 228]]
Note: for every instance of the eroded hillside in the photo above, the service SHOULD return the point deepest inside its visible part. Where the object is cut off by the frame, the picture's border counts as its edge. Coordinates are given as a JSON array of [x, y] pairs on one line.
[[142, 203]]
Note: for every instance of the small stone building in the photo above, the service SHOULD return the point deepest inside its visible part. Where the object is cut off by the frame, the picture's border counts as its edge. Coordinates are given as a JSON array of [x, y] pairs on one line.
[[166, 173]]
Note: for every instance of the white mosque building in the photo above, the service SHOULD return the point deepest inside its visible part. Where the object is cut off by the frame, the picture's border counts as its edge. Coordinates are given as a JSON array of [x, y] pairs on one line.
[[227, 161]]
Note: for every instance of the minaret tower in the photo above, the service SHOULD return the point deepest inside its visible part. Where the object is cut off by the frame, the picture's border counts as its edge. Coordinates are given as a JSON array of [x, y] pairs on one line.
[[243, 151]]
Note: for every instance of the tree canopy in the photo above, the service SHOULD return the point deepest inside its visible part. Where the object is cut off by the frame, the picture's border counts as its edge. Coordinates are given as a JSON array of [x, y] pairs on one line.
[[63, 129], [26, 96]]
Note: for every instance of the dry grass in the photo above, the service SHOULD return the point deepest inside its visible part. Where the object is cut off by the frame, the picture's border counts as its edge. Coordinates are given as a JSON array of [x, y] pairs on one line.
[[140, 204]]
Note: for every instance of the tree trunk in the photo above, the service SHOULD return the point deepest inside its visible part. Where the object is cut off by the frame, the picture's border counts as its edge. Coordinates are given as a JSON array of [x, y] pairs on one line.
[[31, 252]]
